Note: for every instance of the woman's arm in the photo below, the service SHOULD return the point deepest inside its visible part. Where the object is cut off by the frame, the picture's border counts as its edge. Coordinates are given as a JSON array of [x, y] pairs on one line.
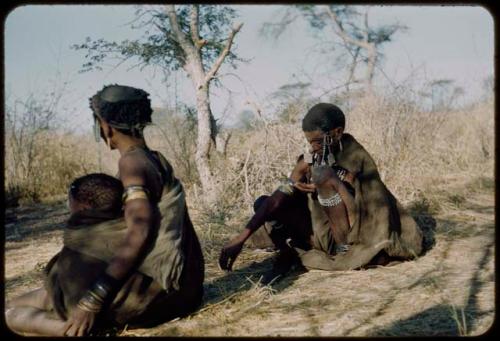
[[265, 213], [139, 216]]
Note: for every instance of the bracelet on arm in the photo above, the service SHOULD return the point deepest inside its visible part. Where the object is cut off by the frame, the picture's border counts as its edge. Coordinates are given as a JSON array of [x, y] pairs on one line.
[[89, 303], [135, 192], [334, 200], [94, 299], [286, 186], [342, 248], [341, 173]]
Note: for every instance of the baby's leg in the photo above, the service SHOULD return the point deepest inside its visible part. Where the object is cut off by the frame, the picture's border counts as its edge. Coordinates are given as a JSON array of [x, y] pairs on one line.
[[26, 320], [37, 298], [31, 314]]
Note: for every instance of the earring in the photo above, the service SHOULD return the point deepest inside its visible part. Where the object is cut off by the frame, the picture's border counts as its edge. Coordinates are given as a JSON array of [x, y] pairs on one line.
[[340, 146], [308, 156], [108, 142]]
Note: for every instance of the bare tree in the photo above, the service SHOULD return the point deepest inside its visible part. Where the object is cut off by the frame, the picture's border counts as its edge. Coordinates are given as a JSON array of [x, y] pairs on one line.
[[196, 38], [443, 94], [293, 100], [362, 41]]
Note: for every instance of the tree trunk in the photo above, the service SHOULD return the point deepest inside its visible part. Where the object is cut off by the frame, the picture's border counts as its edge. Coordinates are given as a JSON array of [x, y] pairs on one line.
[[203, 144], [191, 44]]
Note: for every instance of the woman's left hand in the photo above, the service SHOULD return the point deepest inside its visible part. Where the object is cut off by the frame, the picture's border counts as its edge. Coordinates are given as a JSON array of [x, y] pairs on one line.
[[80, 322]]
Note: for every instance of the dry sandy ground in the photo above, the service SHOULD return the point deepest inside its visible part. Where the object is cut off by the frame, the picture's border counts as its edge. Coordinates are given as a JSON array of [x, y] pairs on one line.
[[447, 291]]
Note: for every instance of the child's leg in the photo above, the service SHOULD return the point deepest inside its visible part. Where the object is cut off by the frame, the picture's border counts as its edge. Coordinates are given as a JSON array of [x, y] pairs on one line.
[[37, 298], [30, 314], [34, 321]]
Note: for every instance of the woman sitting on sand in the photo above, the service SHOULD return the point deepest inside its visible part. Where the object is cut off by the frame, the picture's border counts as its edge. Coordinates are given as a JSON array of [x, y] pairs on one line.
[[155, 235]]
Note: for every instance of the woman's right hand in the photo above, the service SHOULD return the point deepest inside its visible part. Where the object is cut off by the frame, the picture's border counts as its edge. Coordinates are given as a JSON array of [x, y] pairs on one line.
[[299, 174], [229, 253]]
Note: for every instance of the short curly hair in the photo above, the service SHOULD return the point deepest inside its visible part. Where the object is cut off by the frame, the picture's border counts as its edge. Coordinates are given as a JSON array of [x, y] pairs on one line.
[[125, 108], [99, 191], [323, 116]]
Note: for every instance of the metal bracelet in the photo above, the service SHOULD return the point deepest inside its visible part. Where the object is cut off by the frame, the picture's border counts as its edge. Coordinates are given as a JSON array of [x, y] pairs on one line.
[[286, 188], [90, 300], [89, 309], [334, 200], [94, 297], [135, 192], [341, 248], [87, 304], [341, 173], [101, 289]]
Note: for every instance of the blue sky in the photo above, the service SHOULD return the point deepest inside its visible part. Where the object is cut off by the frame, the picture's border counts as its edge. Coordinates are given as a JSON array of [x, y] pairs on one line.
[[442, 42]]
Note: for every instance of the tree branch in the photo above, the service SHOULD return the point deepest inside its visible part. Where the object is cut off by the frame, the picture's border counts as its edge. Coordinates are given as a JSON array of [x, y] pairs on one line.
[[138, 17], [163, 30], [341, 32], [352, 69], [222, 56], [275, 29], [179, 35], [195, 34], [367, 28], [194, 25]]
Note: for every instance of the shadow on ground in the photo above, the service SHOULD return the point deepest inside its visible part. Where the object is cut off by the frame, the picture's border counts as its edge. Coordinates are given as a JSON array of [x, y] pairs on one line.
[[33, 221], [421, 212], [242, 279], [444, 319], [435, 321]]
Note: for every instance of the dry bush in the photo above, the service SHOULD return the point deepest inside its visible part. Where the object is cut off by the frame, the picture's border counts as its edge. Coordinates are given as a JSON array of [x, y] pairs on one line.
[[416, 151], [42, 158], [41, 161], [174, 135], [257, 161], [47, 168]]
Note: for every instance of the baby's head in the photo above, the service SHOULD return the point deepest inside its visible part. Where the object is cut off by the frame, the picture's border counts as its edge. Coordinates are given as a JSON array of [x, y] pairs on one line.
[[96, 191]]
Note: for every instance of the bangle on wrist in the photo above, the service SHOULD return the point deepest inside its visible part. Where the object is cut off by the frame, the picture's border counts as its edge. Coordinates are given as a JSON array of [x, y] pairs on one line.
[[104, 285], [98, 293], [90, 303]]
